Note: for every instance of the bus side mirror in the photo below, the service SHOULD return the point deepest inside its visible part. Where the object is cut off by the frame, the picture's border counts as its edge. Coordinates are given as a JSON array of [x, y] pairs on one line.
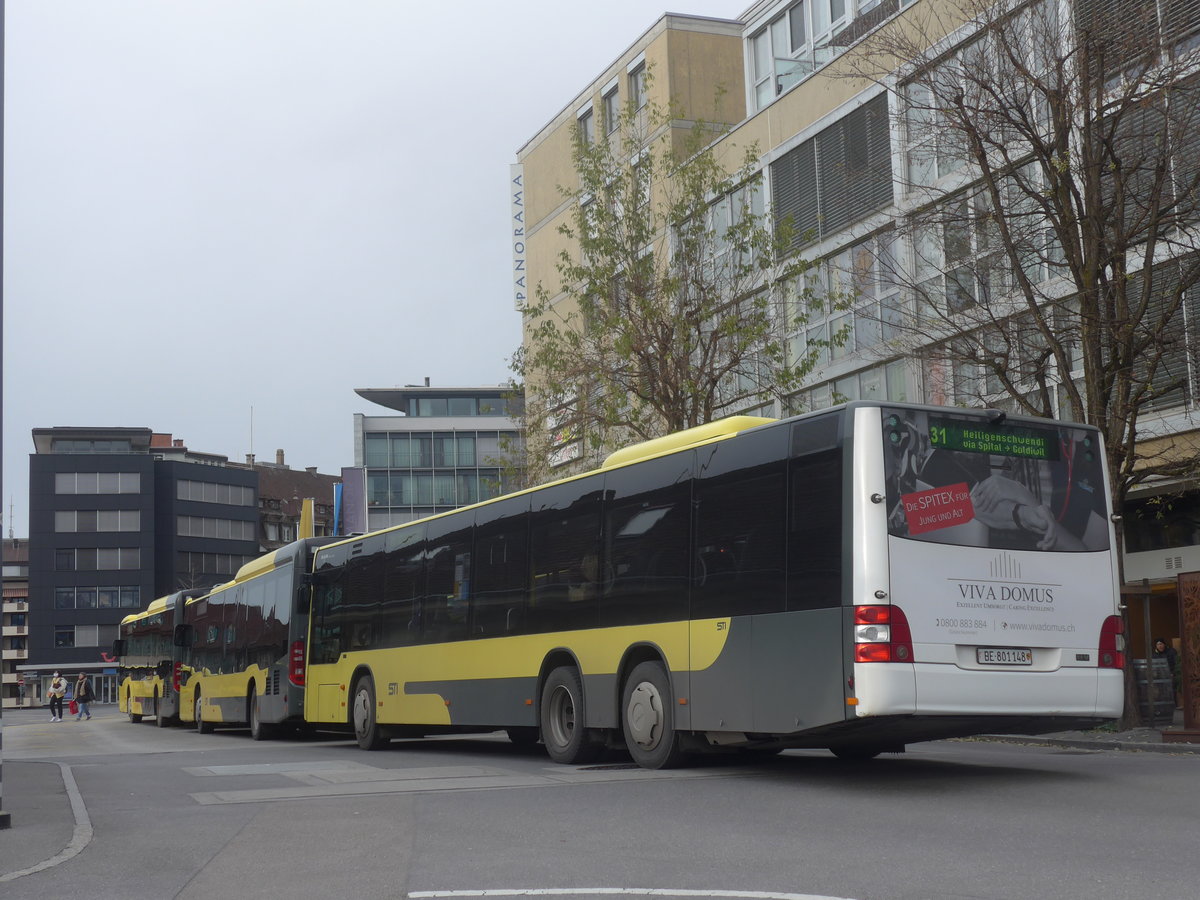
[[183, 636], [119, 648]]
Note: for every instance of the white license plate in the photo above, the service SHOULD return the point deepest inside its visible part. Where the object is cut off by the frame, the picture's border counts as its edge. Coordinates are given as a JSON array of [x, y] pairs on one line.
[[1003, 656]]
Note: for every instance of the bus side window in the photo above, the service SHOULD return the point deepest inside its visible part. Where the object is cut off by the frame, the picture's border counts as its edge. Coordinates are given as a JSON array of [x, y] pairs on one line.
[[741, 526], [447, 591]]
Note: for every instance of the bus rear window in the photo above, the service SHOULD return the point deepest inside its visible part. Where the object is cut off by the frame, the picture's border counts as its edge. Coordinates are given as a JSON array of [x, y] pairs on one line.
[[959, 479]]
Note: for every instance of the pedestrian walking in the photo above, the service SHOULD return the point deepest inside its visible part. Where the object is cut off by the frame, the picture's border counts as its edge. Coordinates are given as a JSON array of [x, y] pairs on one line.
[[83, 696], [58, 690]]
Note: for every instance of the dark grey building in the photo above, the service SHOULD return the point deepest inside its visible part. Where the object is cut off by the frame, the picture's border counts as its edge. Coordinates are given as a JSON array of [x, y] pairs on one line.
[[119, 516]]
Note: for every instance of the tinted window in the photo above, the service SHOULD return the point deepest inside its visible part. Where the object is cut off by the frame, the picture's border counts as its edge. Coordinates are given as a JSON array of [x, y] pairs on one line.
[[646, 533], [362, 583], [815, 517], [501, 567], [740, 525], [327, 605], [448, 579], [403, 584], [564, 545]]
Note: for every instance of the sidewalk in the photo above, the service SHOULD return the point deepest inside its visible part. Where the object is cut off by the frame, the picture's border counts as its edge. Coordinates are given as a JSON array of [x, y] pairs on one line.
[[1143, 739], [35, 797]]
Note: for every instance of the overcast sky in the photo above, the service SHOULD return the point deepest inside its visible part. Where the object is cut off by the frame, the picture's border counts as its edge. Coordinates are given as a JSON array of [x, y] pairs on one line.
[[232, 204]]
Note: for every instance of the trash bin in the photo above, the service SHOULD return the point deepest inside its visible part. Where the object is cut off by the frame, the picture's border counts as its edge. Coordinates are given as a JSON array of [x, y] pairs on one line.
[[1155, 691]]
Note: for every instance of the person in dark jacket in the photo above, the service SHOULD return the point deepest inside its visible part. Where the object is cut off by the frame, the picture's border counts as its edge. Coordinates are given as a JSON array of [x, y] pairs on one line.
[[1163, 650], [83, 696]]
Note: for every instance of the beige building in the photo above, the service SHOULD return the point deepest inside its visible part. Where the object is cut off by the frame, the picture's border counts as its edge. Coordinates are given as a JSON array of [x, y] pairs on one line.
[[838, 156], [14, 626]]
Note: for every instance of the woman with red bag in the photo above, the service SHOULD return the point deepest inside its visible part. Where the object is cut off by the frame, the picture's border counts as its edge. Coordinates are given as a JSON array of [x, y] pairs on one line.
[[83, 696]]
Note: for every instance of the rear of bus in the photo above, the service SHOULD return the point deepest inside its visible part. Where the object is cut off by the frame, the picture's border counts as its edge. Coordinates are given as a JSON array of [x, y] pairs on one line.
[[985, 584]]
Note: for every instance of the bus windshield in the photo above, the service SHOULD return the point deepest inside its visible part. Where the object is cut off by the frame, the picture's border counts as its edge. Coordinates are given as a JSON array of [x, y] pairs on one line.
[[960, 480]]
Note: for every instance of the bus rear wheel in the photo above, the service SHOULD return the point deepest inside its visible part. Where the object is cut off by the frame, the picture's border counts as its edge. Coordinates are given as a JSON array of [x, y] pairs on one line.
[[201, 726], [363, 716], [563, 718], [648, 718], [259, 730], [160, 718]]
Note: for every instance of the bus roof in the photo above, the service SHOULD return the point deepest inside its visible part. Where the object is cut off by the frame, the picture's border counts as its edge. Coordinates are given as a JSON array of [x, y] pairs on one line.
[[681, 440], [671, 443]]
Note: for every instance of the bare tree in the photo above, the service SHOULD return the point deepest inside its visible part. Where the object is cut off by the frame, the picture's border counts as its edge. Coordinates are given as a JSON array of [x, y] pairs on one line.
[[1052, 181], [673, 298]]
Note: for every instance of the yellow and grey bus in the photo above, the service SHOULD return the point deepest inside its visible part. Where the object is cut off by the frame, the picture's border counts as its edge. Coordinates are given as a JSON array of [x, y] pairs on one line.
[[242, 645], [856, 579], [148, 676]]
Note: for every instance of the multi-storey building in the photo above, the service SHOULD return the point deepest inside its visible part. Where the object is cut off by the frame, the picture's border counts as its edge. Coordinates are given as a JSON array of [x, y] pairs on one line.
[[14, 625], [119, 516], [445, 447], [282, 491], [851, 160]]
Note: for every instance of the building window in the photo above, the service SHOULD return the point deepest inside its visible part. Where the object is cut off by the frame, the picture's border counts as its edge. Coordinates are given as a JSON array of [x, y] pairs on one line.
[[97, 483], [224, 529], [91, 447], [612, 111], [210, 492], [637, 86], [85, 520], [587, 127], [64, 638], [836, 178]]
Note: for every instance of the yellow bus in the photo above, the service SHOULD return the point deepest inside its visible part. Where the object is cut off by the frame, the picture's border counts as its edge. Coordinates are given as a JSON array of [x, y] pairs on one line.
[[242, 645], [148, 660], [854, 579]]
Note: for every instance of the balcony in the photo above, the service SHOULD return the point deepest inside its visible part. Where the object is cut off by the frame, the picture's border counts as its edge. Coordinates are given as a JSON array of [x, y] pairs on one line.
[[15, 606], [14, 630], [6, 654]]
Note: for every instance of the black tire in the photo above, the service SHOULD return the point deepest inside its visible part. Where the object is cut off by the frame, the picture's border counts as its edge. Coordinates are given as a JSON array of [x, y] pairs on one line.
[[201, 726], [648, 718], [259, 730], [367, 730], [159, 719], [563, 715], [523, 735], [855, 754], [133, 717]]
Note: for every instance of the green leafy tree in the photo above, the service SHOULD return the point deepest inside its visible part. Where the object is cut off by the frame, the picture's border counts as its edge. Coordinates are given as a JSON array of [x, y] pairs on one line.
[[674, 298]]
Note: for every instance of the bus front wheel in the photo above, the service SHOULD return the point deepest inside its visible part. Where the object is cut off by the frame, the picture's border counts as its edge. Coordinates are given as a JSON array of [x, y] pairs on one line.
[[133, 717], [563, 717], [367, 730], [647, 718]]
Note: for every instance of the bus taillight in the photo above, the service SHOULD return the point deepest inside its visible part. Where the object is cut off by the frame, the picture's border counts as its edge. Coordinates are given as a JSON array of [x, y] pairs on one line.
[[177, 677], [881, 635], [1112, 643], [296, 664]]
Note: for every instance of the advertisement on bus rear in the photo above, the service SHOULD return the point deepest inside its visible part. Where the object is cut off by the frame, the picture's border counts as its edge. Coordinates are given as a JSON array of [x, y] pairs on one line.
[[1024, 507]]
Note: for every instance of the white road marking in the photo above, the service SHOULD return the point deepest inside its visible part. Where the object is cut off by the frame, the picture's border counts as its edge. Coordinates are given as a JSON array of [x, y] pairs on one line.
[[638, 892]]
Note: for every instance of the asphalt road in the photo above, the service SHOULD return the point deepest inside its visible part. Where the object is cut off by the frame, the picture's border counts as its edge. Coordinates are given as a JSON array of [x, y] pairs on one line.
[[163, 813]]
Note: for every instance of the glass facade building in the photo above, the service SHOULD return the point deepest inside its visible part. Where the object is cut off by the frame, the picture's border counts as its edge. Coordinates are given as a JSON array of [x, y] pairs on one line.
[[451, 447]]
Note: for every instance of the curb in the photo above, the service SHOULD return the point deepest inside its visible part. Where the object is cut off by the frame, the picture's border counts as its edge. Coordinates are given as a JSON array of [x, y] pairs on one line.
[[1141, 747], [81, 834]]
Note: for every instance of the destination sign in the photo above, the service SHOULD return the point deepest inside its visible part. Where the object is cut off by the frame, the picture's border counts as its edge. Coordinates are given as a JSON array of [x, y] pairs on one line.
[[971, 437]]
